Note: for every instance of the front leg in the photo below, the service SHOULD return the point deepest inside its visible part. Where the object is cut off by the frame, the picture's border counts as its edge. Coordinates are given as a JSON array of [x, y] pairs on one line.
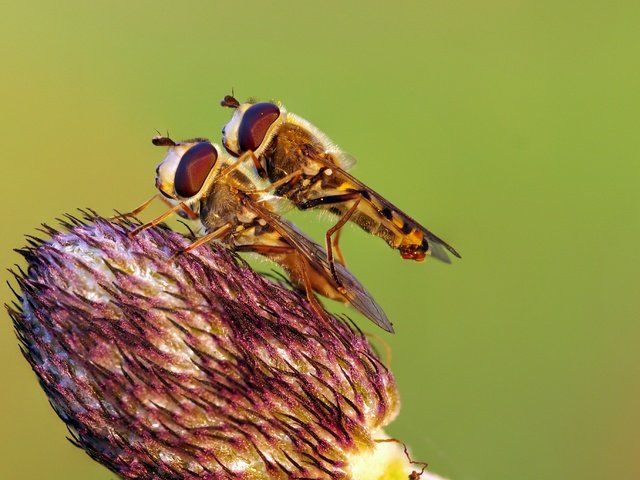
[[138, 209], [214, 235], [256, 163], [180, 206]]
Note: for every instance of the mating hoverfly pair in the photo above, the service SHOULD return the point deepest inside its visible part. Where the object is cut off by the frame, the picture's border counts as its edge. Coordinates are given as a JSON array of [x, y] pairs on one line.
[[269, 155]]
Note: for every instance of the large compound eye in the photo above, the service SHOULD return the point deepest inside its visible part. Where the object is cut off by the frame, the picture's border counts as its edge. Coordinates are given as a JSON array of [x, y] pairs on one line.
[[255, 124], [193, 169]]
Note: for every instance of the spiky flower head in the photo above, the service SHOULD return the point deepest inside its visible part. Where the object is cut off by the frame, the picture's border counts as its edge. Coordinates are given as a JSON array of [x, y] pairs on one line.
[[195, 366]]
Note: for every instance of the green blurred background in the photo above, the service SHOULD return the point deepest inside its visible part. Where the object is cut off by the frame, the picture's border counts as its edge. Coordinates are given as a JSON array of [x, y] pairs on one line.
[[509, 128]]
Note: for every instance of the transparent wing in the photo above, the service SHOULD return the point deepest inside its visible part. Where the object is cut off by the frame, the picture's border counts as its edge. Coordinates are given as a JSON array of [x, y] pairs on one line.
[[353, 291]]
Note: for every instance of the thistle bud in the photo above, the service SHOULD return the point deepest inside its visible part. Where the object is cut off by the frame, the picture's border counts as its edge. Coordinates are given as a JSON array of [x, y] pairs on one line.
[[196, 367]]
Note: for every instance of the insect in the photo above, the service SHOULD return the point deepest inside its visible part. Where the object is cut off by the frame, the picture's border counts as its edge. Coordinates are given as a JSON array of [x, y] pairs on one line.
[[199, 179], [308, 169]]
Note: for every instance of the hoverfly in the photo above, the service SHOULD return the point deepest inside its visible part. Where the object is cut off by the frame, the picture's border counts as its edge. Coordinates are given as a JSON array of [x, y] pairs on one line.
[[199, 179], [305, 167]]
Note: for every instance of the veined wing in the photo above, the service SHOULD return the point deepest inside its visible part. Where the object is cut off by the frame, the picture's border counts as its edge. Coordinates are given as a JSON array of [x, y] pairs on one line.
[[352, 290], [389, 213]]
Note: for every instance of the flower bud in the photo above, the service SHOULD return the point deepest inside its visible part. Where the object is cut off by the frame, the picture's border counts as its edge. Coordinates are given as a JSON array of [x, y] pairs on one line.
[[195, 366]]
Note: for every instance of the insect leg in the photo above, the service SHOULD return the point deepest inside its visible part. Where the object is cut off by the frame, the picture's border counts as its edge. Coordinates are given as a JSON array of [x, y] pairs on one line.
[[327, 238], [328, 200], [413, 475], [337, 249], [138, 209], [315, 304], [278, 183], [217, 233], [180, 206], [256, 163]]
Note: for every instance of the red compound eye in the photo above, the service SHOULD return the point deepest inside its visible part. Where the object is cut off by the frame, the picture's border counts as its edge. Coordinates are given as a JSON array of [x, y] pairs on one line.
[[255, 124], [193, 169]]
